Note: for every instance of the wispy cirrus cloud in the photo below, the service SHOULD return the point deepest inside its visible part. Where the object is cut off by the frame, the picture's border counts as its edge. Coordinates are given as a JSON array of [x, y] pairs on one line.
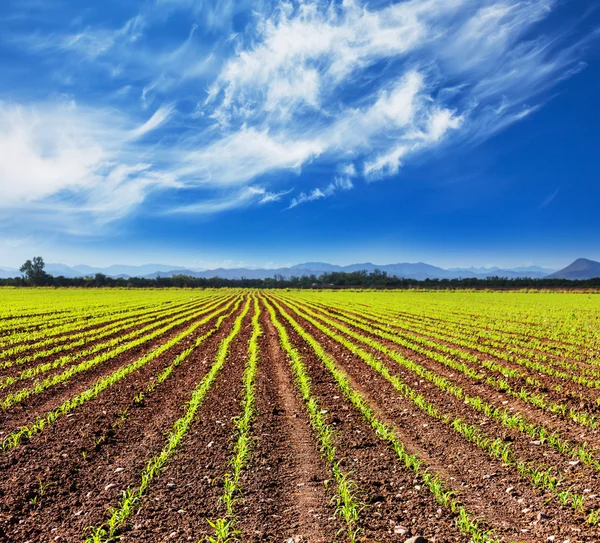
[[238, 109], [70, 161], [339, 183]]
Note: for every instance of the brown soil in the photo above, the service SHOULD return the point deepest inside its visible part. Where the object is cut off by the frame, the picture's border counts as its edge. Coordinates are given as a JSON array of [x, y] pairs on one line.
[[16, 369], [186, 493], [84, 462], [398, 507], [575, 432], [38, 404], [65, 478], [481, 480], [284, 490], [59, 338]]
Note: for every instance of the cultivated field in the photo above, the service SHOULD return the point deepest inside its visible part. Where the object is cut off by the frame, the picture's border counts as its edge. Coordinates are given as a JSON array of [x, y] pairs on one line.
[[188, 415]]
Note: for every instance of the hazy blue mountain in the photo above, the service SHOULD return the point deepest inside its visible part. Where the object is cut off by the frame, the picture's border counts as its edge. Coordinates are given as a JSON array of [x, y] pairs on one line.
[[6, 272], [130, 271], [321, 267], [547, 271], [582, 268], [64, 270]]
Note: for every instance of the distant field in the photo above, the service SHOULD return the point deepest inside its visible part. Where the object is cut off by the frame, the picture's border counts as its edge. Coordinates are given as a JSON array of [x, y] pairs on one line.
[[299, 416]]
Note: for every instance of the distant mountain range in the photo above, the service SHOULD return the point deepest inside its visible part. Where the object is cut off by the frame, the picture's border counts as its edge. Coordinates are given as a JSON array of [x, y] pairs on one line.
[[580, 269], [419, 270]]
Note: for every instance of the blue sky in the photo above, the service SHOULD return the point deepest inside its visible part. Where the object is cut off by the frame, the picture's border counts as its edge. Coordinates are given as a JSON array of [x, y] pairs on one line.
[[263, 133]]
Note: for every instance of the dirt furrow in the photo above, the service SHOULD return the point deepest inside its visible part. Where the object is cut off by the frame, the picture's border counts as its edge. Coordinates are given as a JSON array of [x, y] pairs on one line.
[[397, 506], [283, 489], [481, 480], [16, 369], [37, 405], [185, 495], [63, 480], [60, 338], [573, 431]]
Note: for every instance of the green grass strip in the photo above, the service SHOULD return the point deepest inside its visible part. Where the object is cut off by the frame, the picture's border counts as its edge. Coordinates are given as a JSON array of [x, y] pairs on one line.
[[14, 439], [224, 527], [464, 520], [132, 496]]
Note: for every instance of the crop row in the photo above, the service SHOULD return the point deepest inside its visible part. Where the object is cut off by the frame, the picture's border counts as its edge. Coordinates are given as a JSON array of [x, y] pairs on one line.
[[447, 355], [464, 520], [539, 476], [15, 438]]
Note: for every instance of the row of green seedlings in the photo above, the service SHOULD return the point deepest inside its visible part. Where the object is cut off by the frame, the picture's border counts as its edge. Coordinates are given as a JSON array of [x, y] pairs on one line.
[[579, 416], [382, 321], [161, 377], [464, 520], [489, 332], [40, 354], [347, 501], [224, 527], [100, 334], [526, 345], [537, 399], [549, 330], [70, 341], [505, 418], [57, 316], [26, 432], [72, 324], [61, 378], [103, 346], [494, 342], [132, 496], [535, 320], [60, 317], [417, 331], [528, 357], [444, 360], [540, 477]]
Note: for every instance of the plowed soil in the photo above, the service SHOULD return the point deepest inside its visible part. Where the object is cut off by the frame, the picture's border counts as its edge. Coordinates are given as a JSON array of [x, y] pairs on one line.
[[66, 479]]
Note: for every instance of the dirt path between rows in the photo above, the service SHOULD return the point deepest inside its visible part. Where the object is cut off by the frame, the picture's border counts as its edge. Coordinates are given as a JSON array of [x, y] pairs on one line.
[[65, 478], [397, 506], [185, 494], [36, 405], [283, 488], [481, 480]]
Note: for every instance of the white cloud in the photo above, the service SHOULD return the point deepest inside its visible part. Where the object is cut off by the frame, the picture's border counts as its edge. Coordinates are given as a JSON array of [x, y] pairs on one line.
[[357, 87], [273, 196], [89, 43], [304, 51], [339, 183], [236, 199], [348, 170], [388, 163], [160, 116], [303, 197], [246, 154], [57, 159]]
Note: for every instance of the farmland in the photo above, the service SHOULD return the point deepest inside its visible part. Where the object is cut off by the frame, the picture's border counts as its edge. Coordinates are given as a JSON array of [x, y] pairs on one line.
[[301, 416]]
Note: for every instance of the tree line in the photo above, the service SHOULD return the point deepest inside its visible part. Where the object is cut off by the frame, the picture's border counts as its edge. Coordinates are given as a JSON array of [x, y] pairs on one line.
[[35, 275]]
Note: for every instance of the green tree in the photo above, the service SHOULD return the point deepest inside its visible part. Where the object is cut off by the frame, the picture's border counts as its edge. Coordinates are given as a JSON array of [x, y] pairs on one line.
[[34, 271]]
